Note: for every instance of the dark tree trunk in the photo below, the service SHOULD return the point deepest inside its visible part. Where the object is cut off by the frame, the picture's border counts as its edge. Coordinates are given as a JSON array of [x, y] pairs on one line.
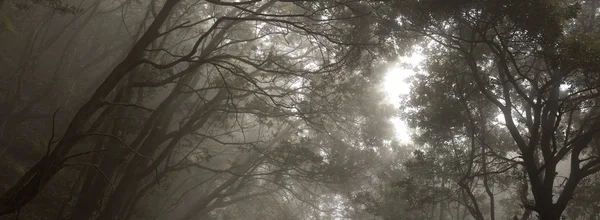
[[34, 180]]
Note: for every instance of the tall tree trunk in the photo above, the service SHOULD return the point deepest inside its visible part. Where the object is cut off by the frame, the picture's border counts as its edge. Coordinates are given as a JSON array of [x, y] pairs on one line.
[[34, 180], [94, 187], [487, 186], [138, 169], [202, 203], [457, 211], [83, 202], [246, 167], [442, 216]]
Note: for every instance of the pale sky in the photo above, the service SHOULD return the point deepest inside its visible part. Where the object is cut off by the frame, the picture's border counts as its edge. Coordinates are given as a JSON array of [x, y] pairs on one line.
[[396, 84]]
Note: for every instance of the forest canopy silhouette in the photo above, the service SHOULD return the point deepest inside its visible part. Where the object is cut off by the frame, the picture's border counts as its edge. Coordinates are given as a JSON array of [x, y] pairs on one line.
[[277, 109]]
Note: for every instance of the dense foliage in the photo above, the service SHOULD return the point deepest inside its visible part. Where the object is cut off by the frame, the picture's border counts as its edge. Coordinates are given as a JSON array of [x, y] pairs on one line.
[[274, 109]]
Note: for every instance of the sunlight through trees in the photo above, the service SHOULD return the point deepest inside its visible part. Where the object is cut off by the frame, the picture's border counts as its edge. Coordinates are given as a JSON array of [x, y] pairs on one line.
[[299, 109]]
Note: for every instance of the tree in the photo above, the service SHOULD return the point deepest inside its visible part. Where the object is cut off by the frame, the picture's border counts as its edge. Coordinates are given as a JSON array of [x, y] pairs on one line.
[[519, 54], [236, 82]]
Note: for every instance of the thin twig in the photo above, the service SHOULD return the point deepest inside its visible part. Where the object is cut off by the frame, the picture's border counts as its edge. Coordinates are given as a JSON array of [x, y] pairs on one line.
[[49, 145], [128, 105], [96, 167], [122, 142], [83, 153]]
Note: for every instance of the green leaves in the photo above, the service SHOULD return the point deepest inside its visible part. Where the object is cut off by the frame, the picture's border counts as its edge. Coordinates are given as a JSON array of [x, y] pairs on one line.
[[12, 5], [8, 24], [579, 52], [6, 20], [57, 6]]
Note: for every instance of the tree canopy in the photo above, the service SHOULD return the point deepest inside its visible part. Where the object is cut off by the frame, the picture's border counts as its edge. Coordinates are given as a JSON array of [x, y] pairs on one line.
[[275, 109]]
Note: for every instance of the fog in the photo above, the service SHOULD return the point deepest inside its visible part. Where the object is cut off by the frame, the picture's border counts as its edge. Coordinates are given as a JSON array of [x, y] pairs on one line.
[[299, 109]]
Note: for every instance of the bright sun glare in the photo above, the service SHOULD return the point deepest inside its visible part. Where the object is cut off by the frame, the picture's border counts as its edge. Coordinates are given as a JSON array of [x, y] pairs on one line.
[[396, 84]]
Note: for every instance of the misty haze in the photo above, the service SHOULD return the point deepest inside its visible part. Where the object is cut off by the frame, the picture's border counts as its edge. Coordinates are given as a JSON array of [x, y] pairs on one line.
[[300, 109]]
